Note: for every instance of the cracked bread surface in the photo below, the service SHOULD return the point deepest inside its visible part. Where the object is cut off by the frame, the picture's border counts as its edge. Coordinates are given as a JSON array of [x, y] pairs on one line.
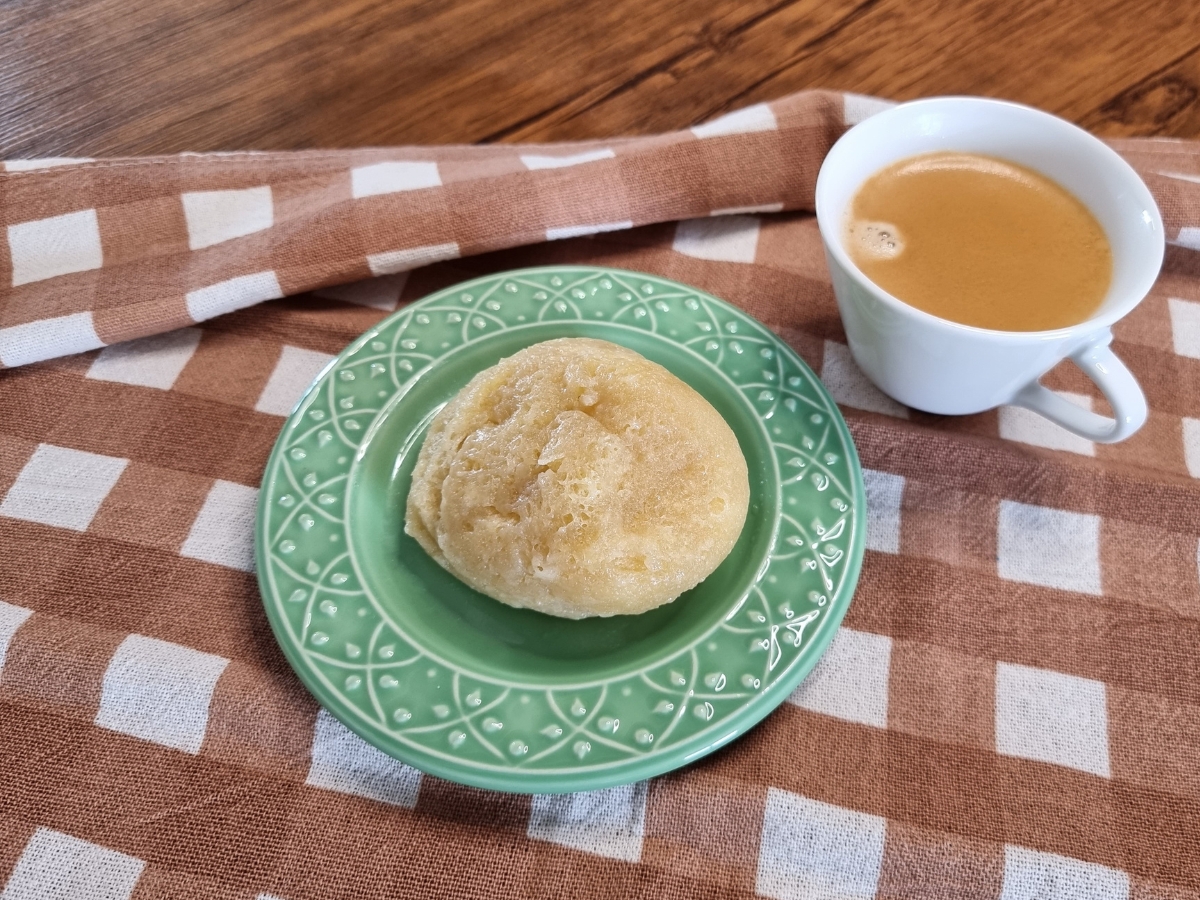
[[578, 478]]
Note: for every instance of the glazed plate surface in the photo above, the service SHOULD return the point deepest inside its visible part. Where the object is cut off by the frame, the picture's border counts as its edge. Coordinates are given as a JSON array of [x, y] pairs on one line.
[[468, 689]]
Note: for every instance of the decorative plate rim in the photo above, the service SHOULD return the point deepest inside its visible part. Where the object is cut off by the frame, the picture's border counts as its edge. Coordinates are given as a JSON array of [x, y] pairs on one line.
[[656, 760]]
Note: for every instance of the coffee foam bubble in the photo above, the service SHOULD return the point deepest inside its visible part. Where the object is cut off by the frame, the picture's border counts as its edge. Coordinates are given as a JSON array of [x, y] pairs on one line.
[[881, 240]]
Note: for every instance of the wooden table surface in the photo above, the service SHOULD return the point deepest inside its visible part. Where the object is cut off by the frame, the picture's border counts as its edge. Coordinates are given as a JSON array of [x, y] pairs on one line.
[[109, 77]]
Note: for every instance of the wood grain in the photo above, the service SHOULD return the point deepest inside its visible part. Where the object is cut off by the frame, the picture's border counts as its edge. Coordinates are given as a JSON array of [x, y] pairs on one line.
[[112, 77]]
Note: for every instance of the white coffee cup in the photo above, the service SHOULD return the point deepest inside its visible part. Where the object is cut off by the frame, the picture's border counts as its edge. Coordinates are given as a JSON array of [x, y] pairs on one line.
[[940, 366]]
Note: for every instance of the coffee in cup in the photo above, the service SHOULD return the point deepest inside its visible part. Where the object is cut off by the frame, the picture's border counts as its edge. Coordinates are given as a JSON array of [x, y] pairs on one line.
[[936, 361], [980, 241]]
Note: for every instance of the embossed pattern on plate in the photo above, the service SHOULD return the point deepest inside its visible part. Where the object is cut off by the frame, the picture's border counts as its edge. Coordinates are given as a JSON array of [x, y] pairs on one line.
[[463, 687]]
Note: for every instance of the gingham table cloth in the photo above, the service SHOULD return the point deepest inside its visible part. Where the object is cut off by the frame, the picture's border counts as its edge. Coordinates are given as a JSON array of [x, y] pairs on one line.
[[1011, 710]]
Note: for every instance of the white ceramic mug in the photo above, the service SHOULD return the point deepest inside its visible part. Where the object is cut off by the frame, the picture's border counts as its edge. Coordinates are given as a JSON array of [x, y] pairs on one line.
[[943, 367]]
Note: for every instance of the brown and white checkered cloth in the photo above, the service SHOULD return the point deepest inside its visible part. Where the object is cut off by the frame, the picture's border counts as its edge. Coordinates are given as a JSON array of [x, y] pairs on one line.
[[1012, 709]]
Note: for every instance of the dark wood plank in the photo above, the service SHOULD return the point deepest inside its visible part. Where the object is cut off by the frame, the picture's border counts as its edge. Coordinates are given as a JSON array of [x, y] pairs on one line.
[[1069, 58], [106, 77], [1165, 102]]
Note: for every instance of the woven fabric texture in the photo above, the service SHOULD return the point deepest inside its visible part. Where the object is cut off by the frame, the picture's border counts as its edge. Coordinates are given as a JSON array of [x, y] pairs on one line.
[[1011, 710]]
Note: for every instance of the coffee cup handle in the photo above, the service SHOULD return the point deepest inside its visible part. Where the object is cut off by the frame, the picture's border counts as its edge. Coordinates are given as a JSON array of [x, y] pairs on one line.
[[1115, 381]]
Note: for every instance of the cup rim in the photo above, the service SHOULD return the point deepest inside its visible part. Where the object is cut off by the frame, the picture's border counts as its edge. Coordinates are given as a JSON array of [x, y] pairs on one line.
[[834, 246]]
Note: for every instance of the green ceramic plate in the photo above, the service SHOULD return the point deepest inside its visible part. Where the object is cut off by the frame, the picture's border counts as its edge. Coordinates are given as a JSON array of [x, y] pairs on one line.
[[466, 688]]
